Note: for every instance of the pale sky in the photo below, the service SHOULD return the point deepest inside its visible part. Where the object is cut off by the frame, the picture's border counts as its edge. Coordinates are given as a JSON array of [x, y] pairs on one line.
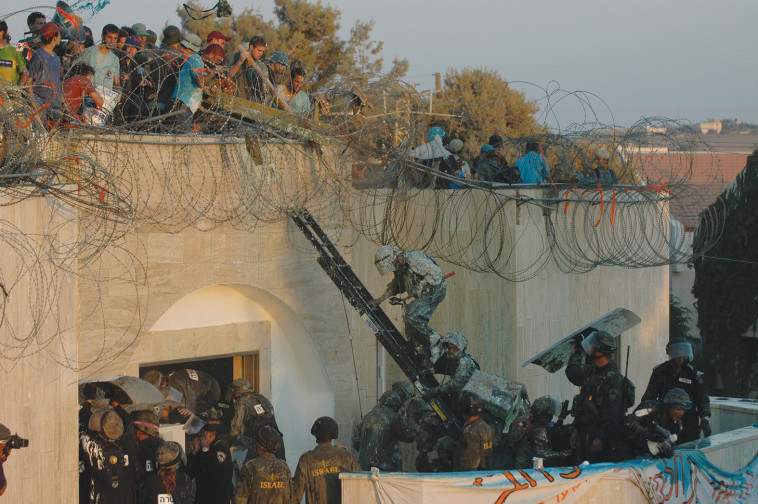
[[682, 59]]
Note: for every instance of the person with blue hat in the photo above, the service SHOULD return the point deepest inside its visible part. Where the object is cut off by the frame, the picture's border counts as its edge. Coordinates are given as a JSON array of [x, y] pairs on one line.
[[278, 64]]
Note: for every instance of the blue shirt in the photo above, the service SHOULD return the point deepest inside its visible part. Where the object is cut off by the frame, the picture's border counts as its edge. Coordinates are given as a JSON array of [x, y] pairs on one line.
[[106, 66], [188, 91], [533, 167], [45, 69]]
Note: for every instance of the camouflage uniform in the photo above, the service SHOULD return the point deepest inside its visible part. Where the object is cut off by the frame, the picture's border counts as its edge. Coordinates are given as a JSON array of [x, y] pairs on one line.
[[265, 480], [640, 427], [317, 474], [459, 370], [474, 449], [421, 277], [213, 472], [599, 408], [251, 412], [665, 377], [376, 435], [201, 391], [535, 442]]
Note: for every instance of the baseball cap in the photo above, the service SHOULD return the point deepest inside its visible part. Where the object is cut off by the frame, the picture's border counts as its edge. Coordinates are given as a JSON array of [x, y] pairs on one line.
[[49, 30], [217, 35]]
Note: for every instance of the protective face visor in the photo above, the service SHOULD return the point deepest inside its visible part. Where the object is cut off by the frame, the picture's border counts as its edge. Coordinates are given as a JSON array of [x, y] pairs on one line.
[[590, 344], [677, 350], [193, 425]]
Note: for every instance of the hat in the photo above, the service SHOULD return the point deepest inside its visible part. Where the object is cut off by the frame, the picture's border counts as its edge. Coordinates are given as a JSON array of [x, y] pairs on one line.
[[140, 29], [217, 35], [281, 58], [152, 37], [433, 132], [133, 41], [49, 30], [214, 49], [486, 147], [171, 35], [602, 154], [496, 141], [193, 42], [169, 454], [455, 145]]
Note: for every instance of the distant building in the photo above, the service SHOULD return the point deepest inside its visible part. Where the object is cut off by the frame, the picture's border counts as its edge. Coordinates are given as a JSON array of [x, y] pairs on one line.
[[711, 126]]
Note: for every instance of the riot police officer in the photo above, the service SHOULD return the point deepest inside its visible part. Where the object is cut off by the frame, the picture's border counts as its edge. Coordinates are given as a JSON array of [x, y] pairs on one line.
[[678, 372], [601, 404], [655, 425]]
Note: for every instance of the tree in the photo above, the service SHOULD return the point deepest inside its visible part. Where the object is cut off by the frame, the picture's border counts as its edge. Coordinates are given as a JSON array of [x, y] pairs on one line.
[[483, 103], [679, 318], [725, 285], [325, 56]]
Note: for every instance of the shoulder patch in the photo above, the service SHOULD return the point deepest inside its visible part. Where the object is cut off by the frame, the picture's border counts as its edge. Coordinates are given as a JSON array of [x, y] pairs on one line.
[[612, 395], [221, 456]]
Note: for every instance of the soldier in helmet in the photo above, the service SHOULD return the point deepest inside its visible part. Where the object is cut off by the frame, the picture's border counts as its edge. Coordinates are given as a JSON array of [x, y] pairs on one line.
[[533, 439], [266, 479], [679, 372], [108, 464], [318, 470], [166, 484], [474, 450], [251, 412], [655, 425], [210, 464], [457, 364], [382, 427], [600, 406], [430, 430], [200, 391], [148, 440], [419, 275]]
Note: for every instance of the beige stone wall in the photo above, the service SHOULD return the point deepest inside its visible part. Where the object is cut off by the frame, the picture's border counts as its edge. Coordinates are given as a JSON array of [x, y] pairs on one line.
[[38, 366], [174, 250]]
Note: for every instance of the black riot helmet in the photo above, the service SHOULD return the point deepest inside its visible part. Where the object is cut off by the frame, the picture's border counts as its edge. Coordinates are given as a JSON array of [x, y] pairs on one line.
[[325, 428], [470, 404], [599, 341], [269, 438]]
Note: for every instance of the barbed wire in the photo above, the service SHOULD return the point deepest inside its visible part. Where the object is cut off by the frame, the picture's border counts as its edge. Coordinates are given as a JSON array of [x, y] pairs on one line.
[[248, 166]]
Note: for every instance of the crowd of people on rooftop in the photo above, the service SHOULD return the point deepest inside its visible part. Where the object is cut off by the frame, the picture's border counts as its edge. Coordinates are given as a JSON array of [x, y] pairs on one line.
[[127, 77]]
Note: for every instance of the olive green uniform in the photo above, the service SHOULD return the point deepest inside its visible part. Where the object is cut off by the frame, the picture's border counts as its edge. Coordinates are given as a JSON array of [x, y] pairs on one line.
[[317, 474]]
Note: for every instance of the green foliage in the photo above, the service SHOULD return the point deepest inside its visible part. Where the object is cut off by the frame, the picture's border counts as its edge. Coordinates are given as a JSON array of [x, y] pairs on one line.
[[679, 318], [483, 104], [324, 54], [726, 288]]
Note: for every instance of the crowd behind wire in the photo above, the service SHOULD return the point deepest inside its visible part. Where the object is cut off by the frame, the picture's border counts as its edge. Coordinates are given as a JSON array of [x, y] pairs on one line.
[[129, 80]]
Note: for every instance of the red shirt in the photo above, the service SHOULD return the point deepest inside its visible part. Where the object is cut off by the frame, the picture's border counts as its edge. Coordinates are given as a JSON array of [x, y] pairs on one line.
[[74, 90]]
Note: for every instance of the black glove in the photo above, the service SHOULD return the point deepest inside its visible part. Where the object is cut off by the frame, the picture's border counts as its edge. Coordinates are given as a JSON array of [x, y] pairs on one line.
[[374, 304], [429, 394], [705, 426], [665, 449]]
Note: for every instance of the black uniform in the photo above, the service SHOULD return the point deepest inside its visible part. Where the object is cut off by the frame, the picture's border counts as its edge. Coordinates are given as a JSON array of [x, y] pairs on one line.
[[213, 472], [153, 488], [110, 468], [598, 410], [640, 427], [665, 377]]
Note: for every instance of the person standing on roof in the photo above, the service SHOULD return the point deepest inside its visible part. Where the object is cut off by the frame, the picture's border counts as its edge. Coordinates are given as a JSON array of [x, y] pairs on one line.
[[678, 372], [602, 172], [419, 275], [533, 166], [599, 408]]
